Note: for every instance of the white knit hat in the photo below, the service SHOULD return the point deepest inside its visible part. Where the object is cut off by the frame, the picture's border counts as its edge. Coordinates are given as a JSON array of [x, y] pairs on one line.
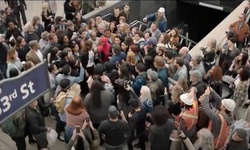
[[229, 104]]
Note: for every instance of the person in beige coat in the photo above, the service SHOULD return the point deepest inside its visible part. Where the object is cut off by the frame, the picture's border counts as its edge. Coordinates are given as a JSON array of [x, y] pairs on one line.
[[34, 55]]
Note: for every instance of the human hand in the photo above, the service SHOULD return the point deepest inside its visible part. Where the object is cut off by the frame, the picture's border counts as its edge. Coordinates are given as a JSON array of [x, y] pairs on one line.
[[48, 129], [130, 115], [145, 19], [182, 135], [85, 124]]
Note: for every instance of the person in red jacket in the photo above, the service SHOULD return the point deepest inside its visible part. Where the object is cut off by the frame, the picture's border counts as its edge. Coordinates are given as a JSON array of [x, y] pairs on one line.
[[104, 50]]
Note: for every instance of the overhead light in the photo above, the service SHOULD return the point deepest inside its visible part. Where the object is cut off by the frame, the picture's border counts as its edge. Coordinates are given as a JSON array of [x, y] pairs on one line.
[[211, 6]]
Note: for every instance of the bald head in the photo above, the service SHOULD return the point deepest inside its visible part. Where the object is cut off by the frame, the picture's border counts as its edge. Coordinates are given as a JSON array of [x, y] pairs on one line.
[[184, 51]]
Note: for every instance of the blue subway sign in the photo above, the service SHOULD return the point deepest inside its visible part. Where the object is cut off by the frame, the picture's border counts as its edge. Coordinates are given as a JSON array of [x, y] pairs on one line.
[[18, 92]]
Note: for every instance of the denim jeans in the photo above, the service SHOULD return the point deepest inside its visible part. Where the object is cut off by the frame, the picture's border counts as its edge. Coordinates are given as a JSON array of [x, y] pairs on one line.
[[68, 133]]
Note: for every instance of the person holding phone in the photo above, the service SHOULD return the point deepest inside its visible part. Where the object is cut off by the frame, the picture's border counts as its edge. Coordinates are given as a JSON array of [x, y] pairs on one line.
[[81, 140]]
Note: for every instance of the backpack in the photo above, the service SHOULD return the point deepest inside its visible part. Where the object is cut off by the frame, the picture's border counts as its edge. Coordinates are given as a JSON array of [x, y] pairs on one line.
[[11, 127], [61, 101]]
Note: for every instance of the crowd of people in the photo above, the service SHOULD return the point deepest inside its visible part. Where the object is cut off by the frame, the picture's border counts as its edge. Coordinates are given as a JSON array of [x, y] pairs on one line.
[[112, 84]]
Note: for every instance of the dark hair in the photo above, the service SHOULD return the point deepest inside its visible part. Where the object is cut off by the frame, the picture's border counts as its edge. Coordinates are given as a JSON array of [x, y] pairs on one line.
[[169, 54], [13, 72], [139, 33], [160, 115], [149, 62], [124, 71], [179, 61], [49, 27], [108, 66], [150, 34], [19, 41], [244, 73], [51, 67], [65, 70], [141, 67], [244, 58], [53, 54], [95, 92], [129, 40]]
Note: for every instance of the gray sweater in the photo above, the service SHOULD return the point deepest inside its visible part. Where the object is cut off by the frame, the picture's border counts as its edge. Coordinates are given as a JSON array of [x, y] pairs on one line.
[[213, 116], [97, 115]]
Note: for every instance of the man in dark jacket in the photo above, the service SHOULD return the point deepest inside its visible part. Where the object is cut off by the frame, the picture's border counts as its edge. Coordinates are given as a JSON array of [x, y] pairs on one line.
[[238, 141], [3, 57], [140, 80], [19, 7]]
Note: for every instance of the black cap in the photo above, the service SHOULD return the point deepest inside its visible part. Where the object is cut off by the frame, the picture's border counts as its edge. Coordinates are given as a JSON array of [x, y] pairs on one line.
[[65, 83]]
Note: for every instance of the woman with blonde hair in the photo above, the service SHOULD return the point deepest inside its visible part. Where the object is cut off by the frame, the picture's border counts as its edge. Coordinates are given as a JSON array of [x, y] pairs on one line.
[[205, 140], [13, 62], [174, 107], [146, 99], [36, 23], [30, 33], [47, 15]]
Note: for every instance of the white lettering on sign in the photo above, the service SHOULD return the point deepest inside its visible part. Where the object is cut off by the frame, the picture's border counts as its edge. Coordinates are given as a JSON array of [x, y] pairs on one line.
[[26, 89]]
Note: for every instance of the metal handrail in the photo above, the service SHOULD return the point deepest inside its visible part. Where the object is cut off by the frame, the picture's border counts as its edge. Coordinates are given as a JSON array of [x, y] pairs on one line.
[[190, 42], [108, 14]]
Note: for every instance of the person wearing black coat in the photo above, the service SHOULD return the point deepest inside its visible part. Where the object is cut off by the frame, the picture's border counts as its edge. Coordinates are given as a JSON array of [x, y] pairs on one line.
[[36, 124], [3, 58], [69, 10]]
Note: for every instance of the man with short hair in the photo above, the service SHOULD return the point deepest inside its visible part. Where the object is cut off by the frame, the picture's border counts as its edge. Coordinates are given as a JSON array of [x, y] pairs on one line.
[[158, 17], [140, 80], [125, 12], [114, 131], [181, 72], [154, 30], [196, 64], [53, 42], [34, 54], [240, 29], [115, 17], [118, 55]]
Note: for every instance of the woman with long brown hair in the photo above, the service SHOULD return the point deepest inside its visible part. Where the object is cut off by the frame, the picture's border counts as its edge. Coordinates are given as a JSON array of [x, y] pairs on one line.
[[214, 79], [238, 62], [76, 114]]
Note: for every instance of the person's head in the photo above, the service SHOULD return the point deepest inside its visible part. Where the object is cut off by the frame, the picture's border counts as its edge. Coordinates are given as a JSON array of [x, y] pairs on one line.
[[76, 106], [135, 29], [243, 73], [53, 38], [152, 75], [88, 46], [116, 49], [183, 51], [52, 68], [129, 40], [101, 27], [124, 46], [154, 26], [112, 25], [29, 27], [205, 139], [116, 11], [186, 100], [12, 55], [36, 20], [134, 103], [99, 69], [176, 92], [243, 58], [147, 35], [66, 70], [133, 48], [178, 62], [93, 35], [242, 17], [98, 19], [160, 115], [75, 48], [231, 41], [8, 10], [11, 25], [138, 35], [107, 33], [131, 59], [28, 65], [113, 112], [196, 60], [13, 72], [212, 43], [65, 84], [108, 66], [168, 55], [78, 16], [66, 53], [227, 105], [33, 104], [240, 134], [215, 73], [145, 93], [45, 35], [20, 42], [174, 32], [151, 42], [140, 68], [122, 19], [195, 76], [34, 45], [123, 71], [117, 40], [126, 8], [51, 28], [160, 49], [161, 12], [83, 33], [159, 62]]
